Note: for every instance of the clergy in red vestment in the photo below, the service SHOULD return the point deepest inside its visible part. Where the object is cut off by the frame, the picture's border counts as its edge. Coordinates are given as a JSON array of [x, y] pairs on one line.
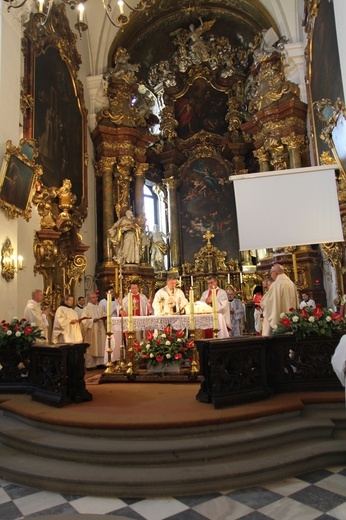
[[141, 306]]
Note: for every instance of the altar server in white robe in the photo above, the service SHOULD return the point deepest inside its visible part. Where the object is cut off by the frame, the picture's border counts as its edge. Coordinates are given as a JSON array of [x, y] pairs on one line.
[[66, 327], [94, 332]]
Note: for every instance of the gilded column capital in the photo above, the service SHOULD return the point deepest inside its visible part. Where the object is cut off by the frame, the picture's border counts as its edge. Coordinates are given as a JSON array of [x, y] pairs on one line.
[[172, 183], [125, 163], [294, 141], [141, 169], [104, 165], [262, 155]]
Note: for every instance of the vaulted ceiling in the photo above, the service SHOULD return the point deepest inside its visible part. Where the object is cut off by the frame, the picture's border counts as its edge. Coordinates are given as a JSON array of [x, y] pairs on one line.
[[147, 35]]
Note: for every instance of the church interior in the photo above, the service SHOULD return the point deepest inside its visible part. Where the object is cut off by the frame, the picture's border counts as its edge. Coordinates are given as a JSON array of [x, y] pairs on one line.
[[135, 119]]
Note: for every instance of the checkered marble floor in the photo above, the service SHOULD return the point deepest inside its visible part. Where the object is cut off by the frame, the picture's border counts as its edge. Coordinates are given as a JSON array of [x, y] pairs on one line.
[[316, 495]]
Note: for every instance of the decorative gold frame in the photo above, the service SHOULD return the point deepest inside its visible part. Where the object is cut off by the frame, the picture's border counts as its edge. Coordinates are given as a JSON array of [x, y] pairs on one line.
[[53, 103], [19, 174], [334, 131]]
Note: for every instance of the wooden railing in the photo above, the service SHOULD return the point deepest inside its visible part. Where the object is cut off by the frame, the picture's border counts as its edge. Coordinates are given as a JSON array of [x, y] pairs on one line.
[[240, 370]]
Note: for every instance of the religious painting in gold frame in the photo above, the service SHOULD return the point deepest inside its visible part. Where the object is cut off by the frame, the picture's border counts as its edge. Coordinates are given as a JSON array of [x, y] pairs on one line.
[[18, 176], [53, 103], [323, 64], [207, 203]]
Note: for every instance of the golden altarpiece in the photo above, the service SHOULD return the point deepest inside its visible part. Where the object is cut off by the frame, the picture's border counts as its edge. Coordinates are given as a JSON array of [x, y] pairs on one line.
[[220, 106], [225, 108]]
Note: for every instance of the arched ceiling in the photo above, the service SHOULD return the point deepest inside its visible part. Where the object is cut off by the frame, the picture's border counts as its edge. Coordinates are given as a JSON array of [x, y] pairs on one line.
[[147, 35]]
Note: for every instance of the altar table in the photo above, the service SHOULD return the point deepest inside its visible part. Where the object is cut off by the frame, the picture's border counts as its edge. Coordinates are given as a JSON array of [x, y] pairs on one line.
[[177, 321]]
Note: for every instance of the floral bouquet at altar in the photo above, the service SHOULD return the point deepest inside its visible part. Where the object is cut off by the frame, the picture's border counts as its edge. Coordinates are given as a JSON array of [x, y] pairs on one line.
[[18, 335], [311, 322], [167, 347]]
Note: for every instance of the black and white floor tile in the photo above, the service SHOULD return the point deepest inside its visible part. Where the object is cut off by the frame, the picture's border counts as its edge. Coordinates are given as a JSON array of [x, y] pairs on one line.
[[318, 495]]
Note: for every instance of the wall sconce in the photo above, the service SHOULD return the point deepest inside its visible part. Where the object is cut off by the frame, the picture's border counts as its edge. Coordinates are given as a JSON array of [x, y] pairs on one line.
[[8, 261]]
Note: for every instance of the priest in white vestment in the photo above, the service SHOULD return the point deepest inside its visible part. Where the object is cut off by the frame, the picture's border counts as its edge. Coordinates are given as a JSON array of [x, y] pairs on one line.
[[170, 299], [281, 297], [66, 327], [222, 305], [34, 313], [94, 332]]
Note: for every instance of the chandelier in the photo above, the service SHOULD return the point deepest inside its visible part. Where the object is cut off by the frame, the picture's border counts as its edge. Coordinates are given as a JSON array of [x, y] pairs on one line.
[[119, 20]]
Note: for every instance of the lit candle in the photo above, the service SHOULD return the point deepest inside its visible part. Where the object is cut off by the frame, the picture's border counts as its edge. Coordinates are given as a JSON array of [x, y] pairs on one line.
[[20, 262], [121, 6], [229, 279], [180, 281], [109, 312], [295, 270], [81, 13], [215, 321], [192, 309], [40, 6], [130, 313], [191, 281]]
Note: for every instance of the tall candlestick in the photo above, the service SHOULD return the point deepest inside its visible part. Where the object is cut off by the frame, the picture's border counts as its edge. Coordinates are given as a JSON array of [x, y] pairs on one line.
[[229, 279], [191, 281], [109, 312], [116, 280], [130, 313], [192, 309], [213, 299]]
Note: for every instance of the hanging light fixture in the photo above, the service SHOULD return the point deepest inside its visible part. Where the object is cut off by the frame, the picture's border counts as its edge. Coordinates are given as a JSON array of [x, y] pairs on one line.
[[44, 7]]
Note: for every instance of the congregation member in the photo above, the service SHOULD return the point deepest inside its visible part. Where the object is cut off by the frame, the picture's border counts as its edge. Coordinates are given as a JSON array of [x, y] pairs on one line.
[[169, 299], [94, 332], [222, 305], [66, 326], [281, 297], [307, 301], [34, 313], [80, 306], [236, 310]]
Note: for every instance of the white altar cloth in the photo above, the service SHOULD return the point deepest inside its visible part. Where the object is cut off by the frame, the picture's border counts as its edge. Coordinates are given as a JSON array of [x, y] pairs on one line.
[[177, 321]]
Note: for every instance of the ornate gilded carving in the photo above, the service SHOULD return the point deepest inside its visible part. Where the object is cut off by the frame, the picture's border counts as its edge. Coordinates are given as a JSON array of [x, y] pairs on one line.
[[123, 178], [278, 153], [210, 259]]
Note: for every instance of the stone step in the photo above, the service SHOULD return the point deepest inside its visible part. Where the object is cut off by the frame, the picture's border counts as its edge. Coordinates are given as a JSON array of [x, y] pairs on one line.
[[179, 462], [195, 444], [184, 479]]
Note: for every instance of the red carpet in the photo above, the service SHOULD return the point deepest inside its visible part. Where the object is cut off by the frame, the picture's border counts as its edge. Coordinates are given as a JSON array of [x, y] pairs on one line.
[[155, 405]]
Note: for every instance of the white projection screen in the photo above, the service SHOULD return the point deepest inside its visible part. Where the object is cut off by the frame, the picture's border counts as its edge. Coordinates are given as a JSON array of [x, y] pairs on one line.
[[288, 207]]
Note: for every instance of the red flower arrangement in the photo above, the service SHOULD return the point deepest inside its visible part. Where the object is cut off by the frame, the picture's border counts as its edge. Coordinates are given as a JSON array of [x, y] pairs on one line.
[[166, 347], [308, 321], [18, 335]]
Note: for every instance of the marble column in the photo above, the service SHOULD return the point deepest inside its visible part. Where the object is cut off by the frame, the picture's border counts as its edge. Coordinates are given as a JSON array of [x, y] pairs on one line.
[[140, 170], [263, 158], [105, 168], [173, 218], [294, 143]]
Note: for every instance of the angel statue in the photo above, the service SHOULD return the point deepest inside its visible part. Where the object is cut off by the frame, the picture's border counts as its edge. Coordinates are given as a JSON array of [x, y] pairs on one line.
[[158, 248], [197, 47]]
